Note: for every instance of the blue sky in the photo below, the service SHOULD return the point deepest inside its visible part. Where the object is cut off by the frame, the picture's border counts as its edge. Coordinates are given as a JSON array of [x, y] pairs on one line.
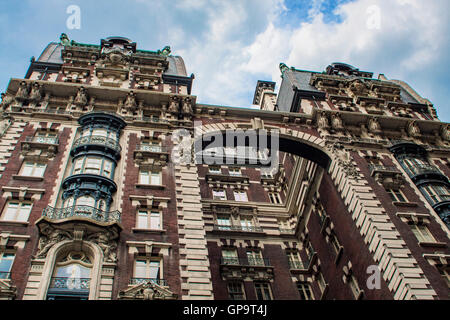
[[229, 45]]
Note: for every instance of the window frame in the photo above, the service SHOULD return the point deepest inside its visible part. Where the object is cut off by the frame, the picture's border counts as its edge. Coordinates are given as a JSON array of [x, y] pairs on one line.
[[263, 292], [149, 218], [17, 211]]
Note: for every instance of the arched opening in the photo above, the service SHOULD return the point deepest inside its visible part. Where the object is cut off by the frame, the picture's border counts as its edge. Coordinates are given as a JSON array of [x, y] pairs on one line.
[[71, 277]]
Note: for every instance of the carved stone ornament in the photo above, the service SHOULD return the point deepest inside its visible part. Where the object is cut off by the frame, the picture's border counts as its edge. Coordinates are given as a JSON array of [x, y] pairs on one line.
[[22, 92], [130, 102], [343, 159], [6, 101], [147, 290], [187, 106], [322, 121], [413, 129], [336, 122], [358, 88], [174, 105], [49, 237], [445, 133], [36, 92], [374, 125], [81, 99], [105, 240]]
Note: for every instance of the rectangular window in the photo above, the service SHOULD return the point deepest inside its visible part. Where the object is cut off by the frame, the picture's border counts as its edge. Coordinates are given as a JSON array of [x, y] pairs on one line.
[[422, 233], [234, 171], [236, 291], [224, 223], [6, 261], [304, 289], [219, 194], [396, 195], [321, 282], [353, 283], [294, 260], [274, 197], [93, 165], [255, 258], [33, 169], [147, 269], [229, 256], [215, 169], [16, 211], [149, 220], [150, 177], [240, 196], [263, 291], [247, 224], [335, 244]]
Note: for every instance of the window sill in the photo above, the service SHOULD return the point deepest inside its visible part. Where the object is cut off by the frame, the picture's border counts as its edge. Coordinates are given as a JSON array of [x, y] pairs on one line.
[[27, 178], [150, 186], [153, 231], [14, 223], [433, 244], [405, 204]]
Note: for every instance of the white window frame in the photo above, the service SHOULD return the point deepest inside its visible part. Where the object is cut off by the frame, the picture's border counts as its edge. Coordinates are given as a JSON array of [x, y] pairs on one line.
[[219, 194], [149, 219], [240, 195], [422, 233], [275, 197], [148, 265], [17, 211], [33, 169]]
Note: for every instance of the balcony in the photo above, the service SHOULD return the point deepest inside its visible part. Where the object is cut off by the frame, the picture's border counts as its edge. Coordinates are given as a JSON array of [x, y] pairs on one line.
[[252, 262], [237, 228], [5, 275], [137, 281], [425, 172], [97, 142], [68, 284], [82, 212], [46, 144]]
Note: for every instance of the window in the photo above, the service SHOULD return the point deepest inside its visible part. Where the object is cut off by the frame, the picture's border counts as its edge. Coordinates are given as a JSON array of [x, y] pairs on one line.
[[247, 224], [236, 291], [6, 261], [224, 223], [86, 201], [436, 193], [266, 174], [219, 194], [229, 256], [240, 196], [215, 170], [235, 171], [396, 195], [150, 177], [274, 197], [321, 282], [255, 258], [294, 260], [93, 165], [335, 244], [45, 137], [16, 211], [263, 291], [422, 233], [445, 273], [149, 219], [147, 269], [33, 169], [353, 283], [304, 289]]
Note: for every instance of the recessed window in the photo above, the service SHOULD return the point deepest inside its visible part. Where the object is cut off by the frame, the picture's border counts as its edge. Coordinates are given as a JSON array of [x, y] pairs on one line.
[[274, 197], [150, 177], [215, 169], [236, 291], [353, 283], [263, 291], [224, 223], [149, 219], [33, 169], [93, 165], [247, 223], [294, 260], [230, 256], [304, 289], [219, 194], [147, 269], [16, 211], [240, 196], [436, 192], [234, 171], [396, 195], [6, 262], [255, 258], [422, 233]]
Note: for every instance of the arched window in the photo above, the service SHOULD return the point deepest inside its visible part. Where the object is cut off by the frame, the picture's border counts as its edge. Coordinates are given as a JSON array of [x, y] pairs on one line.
[[71, 277]]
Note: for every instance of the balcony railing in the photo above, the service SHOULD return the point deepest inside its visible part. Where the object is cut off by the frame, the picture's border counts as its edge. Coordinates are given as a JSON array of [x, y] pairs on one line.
[[98, 140], [382, 168], [5, 275], [297, 265], [159, 282], [43, 140], [64, 283], [245, 261], [422, 169], [151, 148], [82, 212], [237, 228]]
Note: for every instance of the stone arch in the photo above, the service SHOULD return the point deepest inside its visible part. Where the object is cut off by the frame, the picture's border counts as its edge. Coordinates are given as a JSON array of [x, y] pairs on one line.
[[64, 247]]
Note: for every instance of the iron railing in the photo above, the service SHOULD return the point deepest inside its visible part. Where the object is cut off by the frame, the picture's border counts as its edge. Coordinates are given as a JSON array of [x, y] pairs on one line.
[[64, 283], [44, 140], [379, 167], [222, 227], [249, 261], [422, 169], [150, 148], [82, 212], [159, 282], [98, 140]]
